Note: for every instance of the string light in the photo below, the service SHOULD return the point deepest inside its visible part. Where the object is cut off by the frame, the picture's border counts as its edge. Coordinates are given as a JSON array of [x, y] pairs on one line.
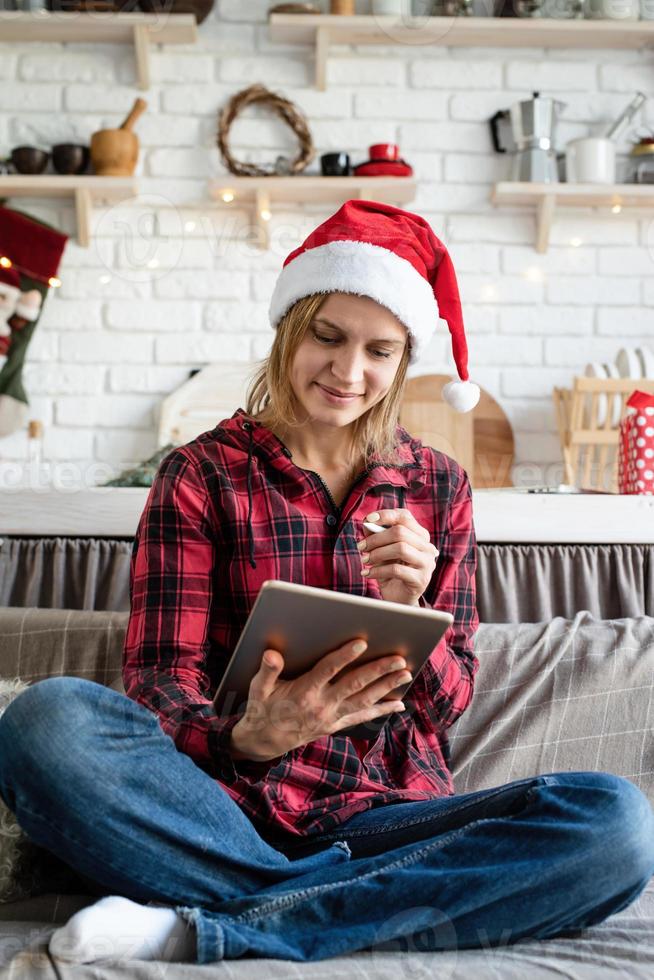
[[6, 263], [227, 197], [533, 273], [616, 209], [265, 214]]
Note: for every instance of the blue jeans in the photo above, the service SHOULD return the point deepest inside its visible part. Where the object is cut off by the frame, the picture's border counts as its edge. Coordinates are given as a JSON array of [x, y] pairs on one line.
[[92, 777]]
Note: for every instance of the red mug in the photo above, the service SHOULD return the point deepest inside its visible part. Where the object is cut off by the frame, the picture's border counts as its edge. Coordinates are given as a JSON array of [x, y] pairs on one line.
[[384, 151]]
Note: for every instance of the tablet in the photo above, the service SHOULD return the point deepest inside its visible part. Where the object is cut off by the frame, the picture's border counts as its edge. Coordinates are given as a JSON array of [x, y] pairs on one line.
[[304, 623]]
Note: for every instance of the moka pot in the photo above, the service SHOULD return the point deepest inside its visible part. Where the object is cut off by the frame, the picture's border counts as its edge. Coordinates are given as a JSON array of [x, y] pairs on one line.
[[532, 127]]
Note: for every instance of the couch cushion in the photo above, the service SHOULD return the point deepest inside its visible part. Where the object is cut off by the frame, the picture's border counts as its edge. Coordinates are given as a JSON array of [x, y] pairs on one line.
[[38, 643], [559, 696]]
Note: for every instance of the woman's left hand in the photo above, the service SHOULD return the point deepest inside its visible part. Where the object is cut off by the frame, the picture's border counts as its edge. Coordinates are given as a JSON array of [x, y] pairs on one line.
[[401, 558]]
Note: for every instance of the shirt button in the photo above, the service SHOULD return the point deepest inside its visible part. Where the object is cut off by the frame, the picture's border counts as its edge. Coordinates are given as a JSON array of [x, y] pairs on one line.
[[331, 520]]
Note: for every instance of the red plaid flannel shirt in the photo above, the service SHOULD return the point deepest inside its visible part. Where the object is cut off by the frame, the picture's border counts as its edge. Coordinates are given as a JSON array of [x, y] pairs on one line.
[[228, 511]]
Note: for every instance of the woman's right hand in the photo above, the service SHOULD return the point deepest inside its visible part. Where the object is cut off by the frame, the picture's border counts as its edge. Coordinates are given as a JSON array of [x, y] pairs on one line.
[[282, 715]]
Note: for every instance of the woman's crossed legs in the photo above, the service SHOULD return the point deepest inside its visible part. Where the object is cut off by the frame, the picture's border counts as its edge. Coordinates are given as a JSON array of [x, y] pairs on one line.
[[93, 778]]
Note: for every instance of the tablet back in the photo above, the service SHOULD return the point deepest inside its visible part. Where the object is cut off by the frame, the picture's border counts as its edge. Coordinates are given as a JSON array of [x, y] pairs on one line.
[[304, 623]]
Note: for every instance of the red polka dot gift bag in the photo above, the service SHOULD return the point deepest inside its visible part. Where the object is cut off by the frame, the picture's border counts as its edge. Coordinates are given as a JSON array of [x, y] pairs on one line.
[[636, 450]]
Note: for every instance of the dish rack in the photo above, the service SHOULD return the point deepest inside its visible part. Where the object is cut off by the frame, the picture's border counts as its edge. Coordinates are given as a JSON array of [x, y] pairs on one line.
[[588, 416]]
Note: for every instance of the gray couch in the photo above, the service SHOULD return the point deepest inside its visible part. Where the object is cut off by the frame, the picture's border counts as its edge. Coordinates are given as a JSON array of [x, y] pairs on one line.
[[556, 696]]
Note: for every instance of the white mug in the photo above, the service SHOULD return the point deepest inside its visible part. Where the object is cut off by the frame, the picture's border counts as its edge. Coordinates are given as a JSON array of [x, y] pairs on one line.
[[590, 160]]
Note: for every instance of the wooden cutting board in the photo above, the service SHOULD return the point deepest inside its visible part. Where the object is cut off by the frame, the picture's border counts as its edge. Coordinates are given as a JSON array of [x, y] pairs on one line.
[[480, 440]]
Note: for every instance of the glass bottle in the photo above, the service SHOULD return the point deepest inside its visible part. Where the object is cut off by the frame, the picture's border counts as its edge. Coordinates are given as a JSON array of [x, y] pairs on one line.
[[35, 441], [36, 469]]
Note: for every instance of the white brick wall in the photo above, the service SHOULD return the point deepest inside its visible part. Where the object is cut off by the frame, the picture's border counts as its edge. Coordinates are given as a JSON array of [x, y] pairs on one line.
[[171, 282]]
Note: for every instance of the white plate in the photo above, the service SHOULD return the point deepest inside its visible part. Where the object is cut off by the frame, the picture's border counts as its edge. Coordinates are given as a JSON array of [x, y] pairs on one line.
[[647, 361], [596, 370], [612, 372], [628, 363]]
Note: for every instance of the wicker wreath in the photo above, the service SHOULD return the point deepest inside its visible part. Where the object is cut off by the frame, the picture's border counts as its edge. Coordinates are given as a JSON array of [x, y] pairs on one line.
[[259, 95]]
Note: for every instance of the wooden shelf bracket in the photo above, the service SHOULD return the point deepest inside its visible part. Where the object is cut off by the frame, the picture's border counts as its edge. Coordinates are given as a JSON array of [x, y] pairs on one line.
[[84, 27], [260, 194], [142, 55], [84, 191], [323, 30], [544, 219], [548, 198]]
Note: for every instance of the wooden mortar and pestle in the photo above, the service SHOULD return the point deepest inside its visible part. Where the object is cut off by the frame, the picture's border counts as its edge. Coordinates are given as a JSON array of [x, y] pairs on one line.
[[115, 152]]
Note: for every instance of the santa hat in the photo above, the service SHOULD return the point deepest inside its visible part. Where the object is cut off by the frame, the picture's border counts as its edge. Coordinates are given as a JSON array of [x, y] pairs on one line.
[[394, 257]]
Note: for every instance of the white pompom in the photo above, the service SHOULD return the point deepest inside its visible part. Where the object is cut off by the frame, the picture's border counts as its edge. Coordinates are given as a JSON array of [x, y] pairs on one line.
[[462, 396]]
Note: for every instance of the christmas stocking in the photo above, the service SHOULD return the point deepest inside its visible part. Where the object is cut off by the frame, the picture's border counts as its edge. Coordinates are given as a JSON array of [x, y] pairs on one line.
[[30, 253]]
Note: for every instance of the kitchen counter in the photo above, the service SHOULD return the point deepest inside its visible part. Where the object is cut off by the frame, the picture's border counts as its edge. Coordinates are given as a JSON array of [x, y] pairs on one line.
[[500, 515]]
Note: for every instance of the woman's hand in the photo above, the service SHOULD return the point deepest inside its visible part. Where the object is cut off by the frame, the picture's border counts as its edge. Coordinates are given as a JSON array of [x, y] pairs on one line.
[[401, 558], [283, 714]]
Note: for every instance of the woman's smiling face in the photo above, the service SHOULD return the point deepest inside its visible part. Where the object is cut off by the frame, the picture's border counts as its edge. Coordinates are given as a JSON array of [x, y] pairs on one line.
[[353, 346]]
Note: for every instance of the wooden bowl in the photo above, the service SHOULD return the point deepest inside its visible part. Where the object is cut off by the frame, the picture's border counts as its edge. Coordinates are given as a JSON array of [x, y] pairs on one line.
[[114, 152], [29, 159], [201, 8], [70, 158]]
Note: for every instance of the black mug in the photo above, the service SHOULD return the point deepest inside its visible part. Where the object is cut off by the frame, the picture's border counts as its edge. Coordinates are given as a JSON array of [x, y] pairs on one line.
[[335, 164]]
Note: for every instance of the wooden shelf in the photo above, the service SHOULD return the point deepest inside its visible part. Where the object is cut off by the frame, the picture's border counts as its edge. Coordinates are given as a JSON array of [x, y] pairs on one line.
[[322, 30], [261, 193], [141, 30], [82, 190], [546, 198]]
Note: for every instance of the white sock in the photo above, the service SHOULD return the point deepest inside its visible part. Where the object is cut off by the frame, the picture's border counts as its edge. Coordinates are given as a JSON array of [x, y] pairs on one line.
[[117, 928]]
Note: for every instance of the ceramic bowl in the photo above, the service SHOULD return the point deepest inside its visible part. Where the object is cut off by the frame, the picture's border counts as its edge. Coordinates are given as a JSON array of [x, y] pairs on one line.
[[70, 158], [29, 159], [199, 8]]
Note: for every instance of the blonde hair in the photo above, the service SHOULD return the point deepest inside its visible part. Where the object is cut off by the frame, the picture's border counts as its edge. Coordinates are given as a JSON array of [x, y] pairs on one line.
[[271, 401]]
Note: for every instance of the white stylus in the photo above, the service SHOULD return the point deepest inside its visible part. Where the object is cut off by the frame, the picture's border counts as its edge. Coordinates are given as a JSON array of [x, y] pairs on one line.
[[380, 527]]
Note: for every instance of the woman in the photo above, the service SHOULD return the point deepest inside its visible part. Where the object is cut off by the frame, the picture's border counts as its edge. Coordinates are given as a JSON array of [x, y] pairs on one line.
[[218, 838]]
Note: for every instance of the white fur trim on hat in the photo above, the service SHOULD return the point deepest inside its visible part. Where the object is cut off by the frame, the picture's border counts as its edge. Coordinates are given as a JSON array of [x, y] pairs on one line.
[[365, 270]]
